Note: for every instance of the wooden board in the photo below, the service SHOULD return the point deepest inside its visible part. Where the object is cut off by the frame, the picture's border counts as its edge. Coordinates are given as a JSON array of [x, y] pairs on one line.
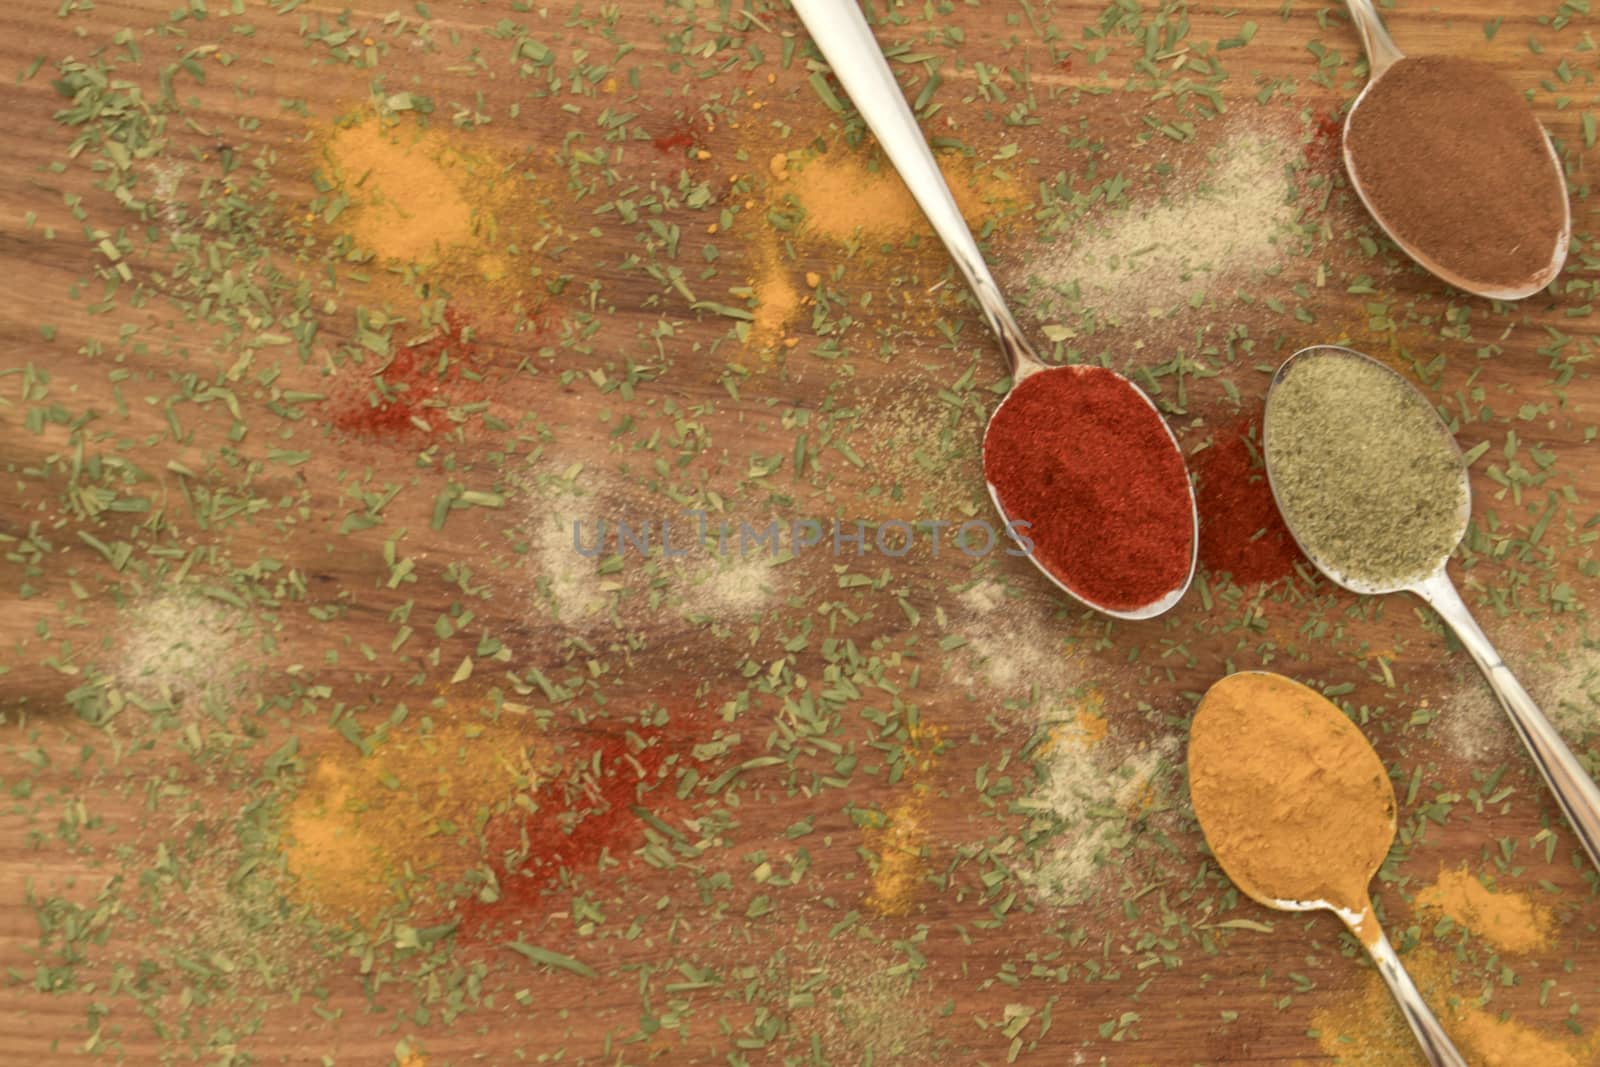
[[300, 657]]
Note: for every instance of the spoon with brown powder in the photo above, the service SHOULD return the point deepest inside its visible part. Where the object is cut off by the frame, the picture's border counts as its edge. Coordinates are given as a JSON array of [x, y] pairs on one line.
[[1299, 812], [1453, 164]]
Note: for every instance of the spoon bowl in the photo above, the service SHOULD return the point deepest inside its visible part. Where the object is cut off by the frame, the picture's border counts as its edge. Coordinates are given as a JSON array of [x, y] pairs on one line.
[[1382, 57], [1232, 799], [841, 33], [1293, 795], [1575, 792], [1336, 569], [1153, 608]]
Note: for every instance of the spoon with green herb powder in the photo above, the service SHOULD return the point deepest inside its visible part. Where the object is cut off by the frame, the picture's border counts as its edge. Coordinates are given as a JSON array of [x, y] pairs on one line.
[[1374, 489]]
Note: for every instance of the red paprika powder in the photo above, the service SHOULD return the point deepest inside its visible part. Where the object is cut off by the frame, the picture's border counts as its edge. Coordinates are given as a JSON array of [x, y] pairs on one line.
[[1080, 455], [1241, 532], [1326, 144], [418, 382], [619, 780]]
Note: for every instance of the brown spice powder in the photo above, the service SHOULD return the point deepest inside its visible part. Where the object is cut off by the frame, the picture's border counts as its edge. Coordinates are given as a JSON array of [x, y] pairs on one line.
[[1455, 164]]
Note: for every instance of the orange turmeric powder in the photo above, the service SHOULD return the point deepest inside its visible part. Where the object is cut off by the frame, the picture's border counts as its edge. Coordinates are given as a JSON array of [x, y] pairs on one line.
[[370, 835], [1294, 802]]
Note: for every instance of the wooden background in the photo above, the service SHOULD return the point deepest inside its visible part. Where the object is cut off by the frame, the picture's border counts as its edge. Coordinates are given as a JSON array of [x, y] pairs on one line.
[[767, 924]]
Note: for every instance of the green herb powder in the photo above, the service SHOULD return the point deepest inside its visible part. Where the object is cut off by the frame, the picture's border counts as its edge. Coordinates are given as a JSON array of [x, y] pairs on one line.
[[1368, 480]]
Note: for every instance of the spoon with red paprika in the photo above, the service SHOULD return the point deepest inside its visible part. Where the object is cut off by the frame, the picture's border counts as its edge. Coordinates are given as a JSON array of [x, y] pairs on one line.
[[1079, 461]]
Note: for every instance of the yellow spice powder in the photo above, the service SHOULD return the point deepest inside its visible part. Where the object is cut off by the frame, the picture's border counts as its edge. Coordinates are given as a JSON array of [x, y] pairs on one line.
[[1294, 802], [1366, 1029], [1508, 920], [899, 841], [899, 848], [408, 190], [843, 196], [459, 208], [778, 302], [367, 836]]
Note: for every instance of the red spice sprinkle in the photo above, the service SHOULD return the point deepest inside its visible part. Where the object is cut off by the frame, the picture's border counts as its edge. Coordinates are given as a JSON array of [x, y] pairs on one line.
[[415, 375], [1079, 453], [1327, 140], [676, 139], [593, 807], [1241, 532], [589, 810]]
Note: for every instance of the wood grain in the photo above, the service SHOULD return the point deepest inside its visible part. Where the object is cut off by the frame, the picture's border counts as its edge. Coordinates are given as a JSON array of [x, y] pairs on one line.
[[118, 834]]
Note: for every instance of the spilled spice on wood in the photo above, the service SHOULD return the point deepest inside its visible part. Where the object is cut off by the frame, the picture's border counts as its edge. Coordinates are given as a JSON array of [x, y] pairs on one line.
[[1241, 532]]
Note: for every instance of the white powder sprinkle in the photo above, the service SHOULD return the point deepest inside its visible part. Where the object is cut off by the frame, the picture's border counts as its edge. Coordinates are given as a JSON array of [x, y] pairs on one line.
[[732, 585], [1214, 221], [1569, 692], [164, 191], [1562, 676], [180, 644], [572, 584], [1084, 809], [1010, 648], [581, 570], [1470, 722], [983, 597]]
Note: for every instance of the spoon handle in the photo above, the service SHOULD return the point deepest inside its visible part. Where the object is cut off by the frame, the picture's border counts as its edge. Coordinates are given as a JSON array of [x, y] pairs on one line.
[[1575, 791], [842, 35], [1436, 1044], [1382, 52]]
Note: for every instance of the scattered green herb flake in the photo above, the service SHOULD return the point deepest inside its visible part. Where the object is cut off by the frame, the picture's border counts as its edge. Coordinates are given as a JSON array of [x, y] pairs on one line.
[[554, 960]]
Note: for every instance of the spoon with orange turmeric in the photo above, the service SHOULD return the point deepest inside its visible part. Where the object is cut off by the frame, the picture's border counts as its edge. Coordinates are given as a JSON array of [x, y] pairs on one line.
[[1299, 812]]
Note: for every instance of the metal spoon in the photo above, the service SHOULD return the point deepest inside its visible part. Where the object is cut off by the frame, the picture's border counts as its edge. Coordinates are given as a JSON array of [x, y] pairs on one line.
[[1382, 54], [1574, 790], [846, 41], [1217, 819]]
